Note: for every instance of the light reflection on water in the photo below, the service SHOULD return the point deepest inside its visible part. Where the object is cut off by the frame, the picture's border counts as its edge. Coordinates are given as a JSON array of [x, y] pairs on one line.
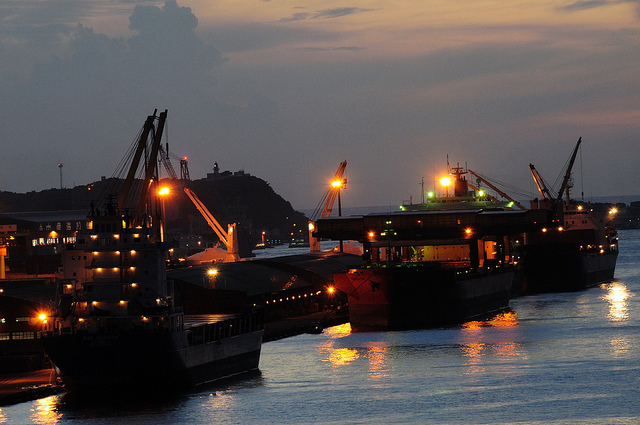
[[378, 362], [376, 355], [45, 411], [618, 298], [474, 333]]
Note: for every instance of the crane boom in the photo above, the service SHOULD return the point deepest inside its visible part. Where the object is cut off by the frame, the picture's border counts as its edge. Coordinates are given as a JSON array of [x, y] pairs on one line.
[[542, 188], [135, 162], [164, 158], [151, 172], [333, 191], [567, 175], [229, 238], [501, 193]]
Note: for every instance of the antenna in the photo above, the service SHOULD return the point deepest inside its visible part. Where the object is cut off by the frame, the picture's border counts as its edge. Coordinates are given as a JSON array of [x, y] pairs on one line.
[[60, 164]]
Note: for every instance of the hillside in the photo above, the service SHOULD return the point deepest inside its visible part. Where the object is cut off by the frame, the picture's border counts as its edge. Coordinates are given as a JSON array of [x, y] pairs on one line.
[[243, 199]]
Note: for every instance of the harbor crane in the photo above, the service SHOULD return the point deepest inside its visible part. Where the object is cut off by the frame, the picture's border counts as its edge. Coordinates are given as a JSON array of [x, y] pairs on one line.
[[540, 184], [337, 184], [500, 192], [228, 238], [566, 181], [150, 165], [164, 158]]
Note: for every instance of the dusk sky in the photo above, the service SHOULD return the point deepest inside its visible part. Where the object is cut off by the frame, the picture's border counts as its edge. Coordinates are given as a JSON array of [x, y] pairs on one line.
[[286, 90]]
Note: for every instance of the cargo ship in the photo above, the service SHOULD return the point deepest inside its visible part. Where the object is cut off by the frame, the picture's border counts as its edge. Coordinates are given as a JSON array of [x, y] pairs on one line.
[[580, 253], [430, 268], [117, 327], [464, 195]]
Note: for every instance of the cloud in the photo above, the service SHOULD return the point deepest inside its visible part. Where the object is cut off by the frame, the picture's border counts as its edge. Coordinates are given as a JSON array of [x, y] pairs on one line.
[[592, 4], [21, 14], [338, 12], [300, 16], [329, 49], [246, 90], [325, 14], [90, 92], [586, 4]]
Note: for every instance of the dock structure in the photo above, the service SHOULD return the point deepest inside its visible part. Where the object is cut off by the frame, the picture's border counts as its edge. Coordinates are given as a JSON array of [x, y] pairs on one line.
[[287, 286], [451, 238], [395, 227]]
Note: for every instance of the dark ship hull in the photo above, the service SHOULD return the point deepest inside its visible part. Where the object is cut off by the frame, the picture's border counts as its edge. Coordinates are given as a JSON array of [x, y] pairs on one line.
[[421, 296], [161, 360], [559, 267], [117, 327]]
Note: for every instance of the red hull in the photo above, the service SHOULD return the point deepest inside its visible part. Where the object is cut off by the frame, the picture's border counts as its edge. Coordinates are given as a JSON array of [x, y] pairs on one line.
[[419, 296]]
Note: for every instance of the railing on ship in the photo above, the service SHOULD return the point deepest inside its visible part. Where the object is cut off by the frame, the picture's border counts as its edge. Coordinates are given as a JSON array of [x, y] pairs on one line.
[[234, 326]]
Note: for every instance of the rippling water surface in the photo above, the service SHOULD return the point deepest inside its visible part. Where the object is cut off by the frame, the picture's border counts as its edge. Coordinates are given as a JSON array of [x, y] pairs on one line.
[[571, 358]]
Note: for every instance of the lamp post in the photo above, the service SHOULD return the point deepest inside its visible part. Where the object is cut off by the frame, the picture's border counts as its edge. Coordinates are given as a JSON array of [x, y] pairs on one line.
[[338, 185], [163, 192], [446, 182]]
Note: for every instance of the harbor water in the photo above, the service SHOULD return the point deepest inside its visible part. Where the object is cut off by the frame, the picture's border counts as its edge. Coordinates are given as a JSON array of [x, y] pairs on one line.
[[568, 358]]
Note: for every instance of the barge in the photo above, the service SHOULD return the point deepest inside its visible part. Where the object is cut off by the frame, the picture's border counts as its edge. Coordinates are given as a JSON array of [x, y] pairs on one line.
[[431, 268]]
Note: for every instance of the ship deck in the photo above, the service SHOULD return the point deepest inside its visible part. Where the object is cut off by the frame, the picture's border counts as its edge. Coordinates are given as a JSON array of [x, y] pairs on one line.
[[194, 320]]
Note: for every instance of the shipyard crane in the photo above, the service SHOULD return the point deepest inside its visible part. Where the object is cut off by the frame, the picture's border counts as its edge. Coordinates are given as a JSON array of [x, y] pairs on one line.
[[477, 189], [501, 193], [150, 164], [540, 184], [228, 238], [566, 181], [135, 162], [567, 176], [337, 184], [164, 158], [184, 169]]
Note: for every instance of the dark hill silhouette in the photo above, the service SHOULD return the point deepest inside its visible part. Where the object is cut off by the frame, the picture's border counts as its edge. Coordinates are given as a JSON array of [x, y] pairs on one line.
[[243, 199]]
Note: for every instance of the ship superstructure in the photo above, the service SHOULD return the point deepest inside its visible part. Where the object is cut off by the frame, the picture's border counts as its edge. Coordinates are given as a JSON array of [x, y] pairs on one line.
[[460, 194]]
